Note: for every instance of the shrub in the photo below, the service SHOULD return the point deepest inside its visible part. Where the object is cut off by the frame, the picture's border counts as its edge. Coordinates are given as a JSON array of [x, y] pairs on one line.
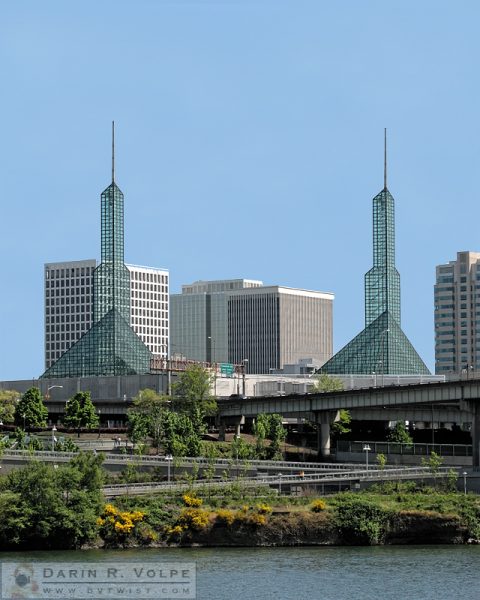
[[264, 509], [195, 519], [116, 526], [192, 500], [318, 506], [360, 521], [225, 516]]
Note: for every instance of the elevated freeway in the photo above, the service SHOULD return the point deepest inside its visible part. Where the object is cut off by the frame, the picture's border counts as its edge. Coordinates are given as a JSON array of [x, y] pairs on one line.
[[457, 401]]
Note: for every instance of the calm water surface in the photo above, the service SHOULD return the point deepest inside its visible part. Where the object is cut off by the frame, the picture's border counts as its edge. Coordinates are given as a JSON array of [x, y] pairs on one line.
[[383, 573]]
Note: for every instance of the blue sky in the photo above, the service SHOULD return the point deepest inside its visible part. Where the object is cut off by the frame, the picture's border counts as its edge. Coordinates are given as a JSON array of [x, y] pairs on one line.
[[249, 144]]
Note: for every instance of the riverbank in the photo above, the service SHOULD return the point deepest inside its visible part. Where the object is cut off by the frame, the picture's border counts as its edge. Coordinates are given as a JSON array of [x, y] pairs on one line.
[[397, 514]]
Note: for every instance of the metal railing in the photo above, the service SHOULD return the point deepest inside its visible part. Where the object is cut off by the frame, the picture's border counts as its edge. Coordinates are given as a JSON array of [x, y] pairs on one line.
[[277, 481], [413, 449]]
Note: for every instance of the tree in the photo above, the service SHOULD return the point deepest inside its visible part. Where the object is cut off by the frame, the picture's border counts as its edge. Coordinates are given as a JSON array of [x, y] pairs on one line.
[[327, 383], [381, 461], [399, 434], [8, 403], [342, 426], [193, 395], [80, 412], [31, 411], [179, 436], [147, 416], [52, 507], [269, 427]]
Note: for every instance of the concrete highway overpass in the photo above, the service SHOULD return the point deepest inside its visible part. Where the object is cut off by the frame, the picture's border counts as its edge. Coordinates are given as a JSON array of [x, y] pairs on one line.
[[454, 401]]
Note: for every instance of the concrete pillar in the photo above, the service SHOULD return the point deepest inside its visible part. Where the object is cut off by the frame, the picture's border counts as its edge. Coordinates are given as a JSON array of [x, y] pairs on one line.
[[475, 407], [221, 432], [323, 440], [237, 429]]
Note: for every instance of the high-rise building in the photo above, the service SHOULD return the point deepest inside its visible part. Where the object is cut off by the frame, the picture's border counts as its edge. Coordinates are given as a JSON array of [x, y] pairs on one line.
[[274, 326], [382, 347], [68, 305], [457, 314], [236, 319], [111, 346], [199, 319]]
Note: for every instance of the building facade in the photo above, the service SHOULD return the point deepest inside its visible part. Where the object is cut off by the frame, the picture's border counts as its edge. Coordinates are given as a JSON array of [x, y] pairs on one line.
[[68, 305], [269, 327], [199, 319], [457, 314]]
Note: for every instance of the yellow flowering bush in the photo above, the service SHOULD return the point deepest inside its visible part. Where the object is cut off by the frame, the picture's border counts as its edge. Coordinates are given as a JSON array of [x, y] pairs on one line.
[[116, 525], [192, 500], [318, 505], [194, 518], [264, 509], [225, 516]]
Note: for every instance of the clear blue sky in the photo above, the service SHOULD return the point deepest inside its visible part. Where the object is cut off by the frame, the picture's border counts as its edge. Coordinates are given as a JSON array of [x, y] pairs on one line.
[[249, 144]]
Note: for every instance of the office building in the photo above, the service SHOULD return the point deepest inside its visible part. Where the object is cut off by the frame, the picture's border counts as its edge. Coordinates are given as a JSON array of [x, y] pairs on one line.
[[68, 305], [123, 300], [382, 347], [236, 319], [199, 319], [272, 326], [457, 315]]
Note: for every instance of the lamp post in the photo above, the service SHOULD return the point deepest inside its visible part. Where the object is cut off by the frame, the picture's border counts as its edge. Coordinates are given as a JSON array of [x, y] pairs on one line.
[[382, 342], [244, 361], [50, 387], [464, 482], [54, 429], [366, 449], [23, 415], [169, 459], [212, 361]]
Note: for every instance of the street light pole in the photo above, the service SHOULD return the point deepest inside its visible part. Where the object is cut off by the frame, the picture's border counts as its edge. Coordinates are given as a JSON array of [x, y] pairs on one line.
[[366, 449], [212, 360], [54, 429], [465, 483], [169, 459], [245, 360]]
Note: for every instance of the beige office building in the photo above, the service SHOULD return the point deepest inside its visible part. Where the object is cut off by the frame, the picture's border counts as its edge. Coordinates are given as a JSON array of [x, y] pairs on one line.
[[274, 326], [457, 315]]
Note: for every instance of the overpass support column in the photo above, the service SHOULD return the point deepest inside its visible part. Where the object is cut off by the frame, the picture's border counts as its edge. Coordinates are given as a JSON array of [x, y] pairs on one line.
[[323, 420], [475, 406], [221, 432]]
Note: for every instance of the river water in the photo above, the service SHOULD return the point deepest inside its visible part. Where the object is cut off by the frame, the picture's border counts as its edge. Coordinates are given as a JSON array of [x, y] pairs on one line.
[[323, 573]]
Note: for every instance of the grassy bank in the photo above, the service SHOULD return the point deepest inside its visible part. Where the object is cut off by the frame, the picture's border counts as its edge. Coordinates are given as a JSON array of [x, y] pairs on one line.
[[399, 513]]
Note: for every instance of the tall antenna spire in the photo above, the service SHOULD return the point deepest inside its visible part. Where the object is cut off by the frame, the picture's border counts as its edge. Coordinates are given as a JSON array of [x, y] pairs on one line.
[[113, 151], [385, 162]]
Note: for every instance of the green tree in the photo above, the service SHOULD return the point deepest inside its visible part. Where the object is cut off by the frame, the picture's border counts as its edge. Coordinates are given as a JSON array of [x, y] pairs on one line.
[[180, 437], [80, 412], [381, 461], [30, 410], [8, 403], [327, 383], [399, 434], [192, 394], [54, 508], [269, 427], [342, 426], [148, 413]]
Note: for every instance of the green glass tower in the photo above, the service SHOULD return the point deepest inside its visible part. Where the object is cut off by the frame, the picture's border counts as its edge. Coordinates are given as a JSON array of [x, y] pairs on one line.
[[110, 347], [381, 347]]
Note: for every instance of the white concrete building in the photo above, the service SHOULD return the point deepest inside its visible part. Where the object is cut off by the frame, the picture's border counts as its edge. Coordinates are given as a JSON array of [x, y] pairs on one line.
[[69, 291]]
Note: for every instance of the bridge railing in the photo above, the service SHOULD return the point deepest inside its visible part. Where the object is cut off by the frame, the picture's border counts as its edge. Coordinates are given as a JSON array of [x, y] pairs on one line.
[[460, 450]]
